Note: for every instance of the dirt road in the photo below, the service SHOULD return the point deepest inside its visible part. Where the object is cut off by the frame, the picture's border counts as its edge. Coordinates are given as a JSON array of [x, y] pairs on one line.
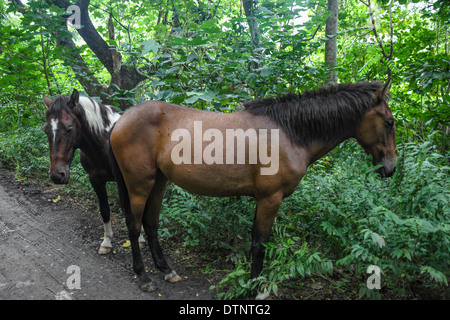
[[48, 250]]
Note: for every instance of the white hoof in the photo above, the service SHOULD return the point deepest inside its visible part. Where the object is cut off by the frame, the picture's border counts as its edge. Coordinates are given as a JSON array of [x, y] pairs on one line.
[[104, 250], [106, 245], [172, 277]]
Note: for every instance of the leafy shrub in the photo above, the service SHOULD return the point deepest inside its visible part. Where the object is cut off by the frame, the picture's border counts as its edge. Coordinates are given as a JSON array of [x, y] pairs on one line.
[[221, 223], [25, 150]]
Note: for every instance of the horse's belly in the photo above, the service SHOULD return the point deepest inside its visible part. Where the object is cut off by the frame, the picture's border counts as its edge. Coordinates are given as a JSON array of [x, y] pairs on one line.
[[213, 180]]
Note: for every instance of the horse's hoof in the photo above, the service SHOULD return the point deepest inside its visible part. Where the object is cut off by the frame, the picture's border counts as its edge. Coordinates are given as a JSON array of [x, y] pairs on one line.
[[172, 277], [147, 287], [104, 250]]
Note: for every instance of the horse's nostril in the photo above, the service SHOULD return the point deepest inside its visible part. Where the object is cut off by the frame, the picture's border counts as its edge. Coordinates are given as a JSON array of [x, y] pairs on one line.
[[60, 176]]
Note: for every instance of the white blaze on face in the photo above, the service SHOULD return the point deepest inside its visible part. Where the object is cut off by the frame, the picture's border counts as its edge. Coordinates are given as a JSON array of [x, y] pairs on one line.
[[54, 125]]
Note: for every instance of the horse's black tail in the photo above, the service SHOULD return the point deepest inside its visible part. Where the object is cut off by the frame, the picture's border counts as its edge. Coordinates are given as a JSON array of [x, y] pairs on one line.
[[121, 186]]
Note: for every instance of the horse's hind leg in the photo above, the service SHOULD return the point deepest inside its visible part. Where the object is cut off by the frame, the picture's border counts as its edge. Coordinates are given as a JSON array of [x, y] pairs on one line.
[[151, 224], [138, 200]]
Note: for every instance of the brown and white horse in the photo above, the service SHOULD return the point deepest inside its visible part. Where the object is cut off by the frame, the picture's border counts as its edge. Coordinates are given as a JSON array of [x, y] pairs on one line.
[[80, 122], [262, 151]]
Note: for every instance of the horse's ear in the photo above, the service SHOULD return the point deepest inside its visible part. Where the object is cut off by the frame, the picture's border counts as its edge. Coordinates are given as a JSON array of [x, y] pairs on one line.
[[387, 86], [74, 98], [47, 101], [382, 93]]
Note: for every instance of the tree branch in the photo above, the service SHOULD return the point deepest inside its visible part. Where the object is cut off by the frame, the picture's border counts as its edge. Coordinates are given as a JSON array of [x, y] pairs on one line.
[[124, 77], [331, 43], [79, 66], [93, 39], [70, 53], [387, 57], [392, 31], [314, 34]]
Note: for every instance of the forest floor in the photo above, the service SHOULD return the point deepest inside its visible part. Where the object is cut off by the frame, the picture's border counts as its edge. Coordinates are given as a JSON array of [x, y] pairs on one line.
[[44, 231]]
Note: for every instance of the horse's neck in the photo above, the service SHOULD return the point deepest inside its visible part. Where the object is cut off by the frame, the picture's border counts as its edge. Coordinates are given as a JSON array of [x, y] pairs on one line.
[[93, 144], [318, 149]]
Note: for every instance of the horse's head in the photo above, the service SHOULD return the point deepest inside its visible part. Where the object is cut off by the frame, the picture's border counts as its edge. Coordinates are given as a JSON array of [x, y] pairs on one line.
[[376, 134], [63, 132]]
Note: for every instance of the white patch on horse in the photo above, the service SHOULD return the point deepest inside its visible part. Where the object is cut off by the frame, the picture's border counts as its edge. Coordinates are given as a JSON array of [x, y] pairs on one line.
[[112, 116], [106, 245], [54, 124], [93, 115]]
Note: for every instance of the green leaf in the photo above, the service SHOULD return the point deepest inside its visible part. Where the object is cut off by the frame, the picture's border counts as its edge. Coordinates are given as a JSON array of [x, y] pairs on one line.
[[206, 96], [266, 72], [436, 275], [150, 44], [300, 269]]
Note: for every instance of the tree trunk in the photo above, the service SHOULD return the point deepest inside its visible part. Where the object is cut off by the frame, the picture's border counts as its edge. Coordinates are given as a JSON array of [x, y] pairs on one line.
[[124, 77], [331, 44], [249, 9], [85, 77]]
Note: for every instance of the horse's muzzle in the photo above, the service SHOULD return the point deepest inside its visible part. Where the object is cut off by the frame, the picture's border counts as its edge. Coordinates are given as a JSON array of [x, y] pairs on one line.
[[385, 173], [60, 176]]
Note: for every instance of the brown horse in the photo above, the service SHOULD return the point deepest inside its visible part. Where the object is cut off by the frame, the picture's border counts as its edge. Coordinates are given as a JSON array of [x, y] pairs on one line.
[[80, 122], [262, 151]]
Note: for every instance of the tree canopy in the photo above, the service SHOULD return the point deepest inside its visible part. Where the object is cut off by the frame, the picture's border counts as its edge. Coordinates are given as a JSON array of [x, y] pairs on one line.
[[213, 54]]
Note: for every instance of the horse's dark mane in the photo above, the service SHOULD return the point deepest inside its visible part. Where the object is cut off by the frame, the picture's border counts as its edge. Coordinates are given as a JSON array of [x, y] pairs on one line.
[[85, 111], [320, 114]]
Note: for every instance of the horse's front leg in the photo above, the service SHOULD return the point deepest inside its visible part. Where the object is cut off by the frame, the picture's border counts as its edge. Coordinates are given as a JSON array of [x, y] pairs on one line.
[[105, 212], [266, 210], [100, 191]]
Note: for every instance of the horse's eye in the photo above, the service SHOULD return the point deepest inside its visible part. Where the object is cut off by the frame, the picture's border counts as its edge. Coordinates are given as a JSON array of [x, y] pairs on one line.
[[389, 123], [69, 130]]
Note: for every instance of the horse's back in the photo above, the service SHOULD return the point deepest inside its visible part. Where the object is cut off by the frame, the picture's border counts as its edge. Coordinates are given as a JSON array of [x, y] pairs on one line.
[[148, 111], [157, 135]]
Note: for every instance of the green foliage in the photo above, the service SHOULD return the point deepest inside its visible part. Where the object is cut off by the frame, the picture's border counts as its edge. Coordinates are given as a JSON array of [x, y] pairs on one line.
[[219, 223], [25, 150], [201, 55], [286, 260], [23, 143]]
